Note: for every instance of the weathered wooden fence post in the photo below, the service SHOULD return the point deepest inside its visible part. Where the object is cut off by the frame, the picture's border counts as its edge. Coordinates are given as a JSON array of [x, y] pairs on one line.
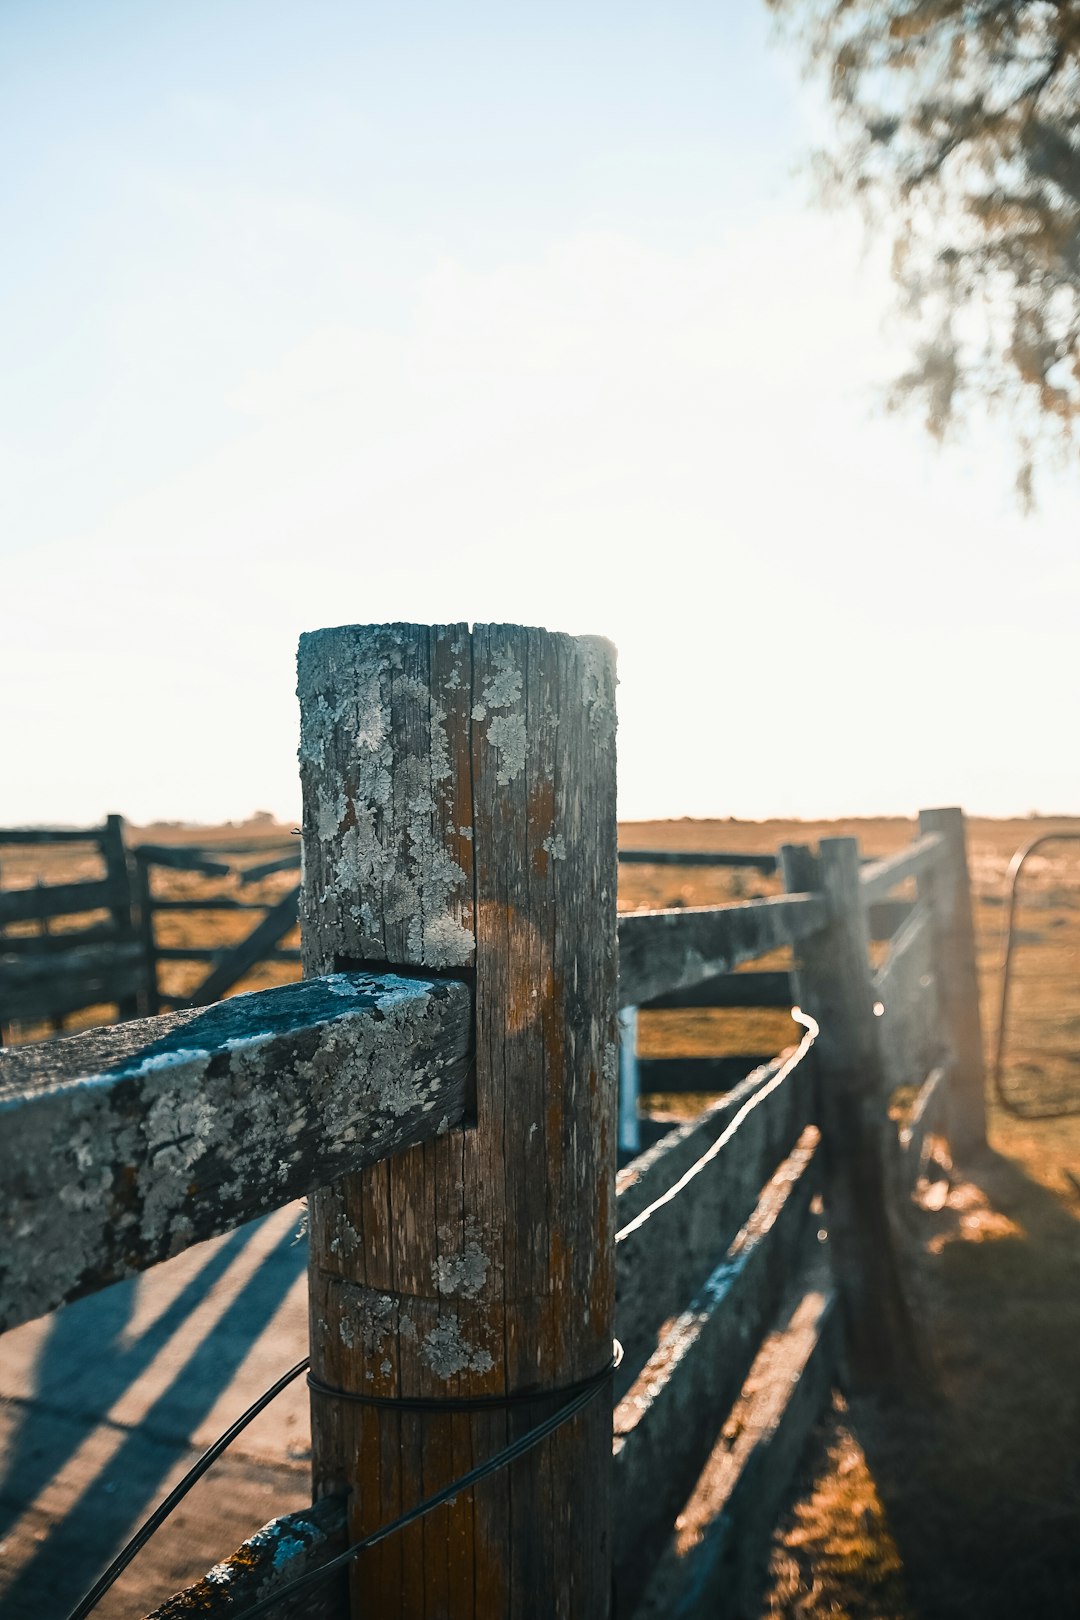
[[832, 976], [948, 891], [459, 815], [118, 871], [629, 1082]]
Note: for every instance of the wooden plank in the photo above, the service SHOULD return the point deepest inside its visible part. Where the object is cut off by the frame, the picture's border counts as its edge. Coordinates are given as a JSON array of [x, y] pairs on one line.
[[884, 917], [661, 951], [459, 810], [832, 975], [877, 878], [182, 858], [237, 960], [265, 869], [58, 943], [125, 1145], [927, 1118], [749, 1480], [667, 1250], [210, 902], [281, 1551], [948, 891], [697, 857], [37, 987], [50, 835], [906, 1003], [118, 870], [150, 998], [665, 1426], [56, 900], [730, 990], [705, 1075]]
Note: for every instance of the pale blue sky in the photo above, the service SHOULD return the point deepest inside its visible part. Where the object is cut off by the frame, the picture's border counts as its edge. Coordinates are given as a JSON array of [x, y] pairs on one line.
[[352, 312]]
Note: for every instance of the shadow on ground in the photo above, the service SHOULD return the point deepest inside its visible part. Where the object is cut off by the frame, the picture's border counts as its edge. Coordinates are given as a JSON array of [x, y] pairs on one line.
[[967, 1504], [79, 1470]]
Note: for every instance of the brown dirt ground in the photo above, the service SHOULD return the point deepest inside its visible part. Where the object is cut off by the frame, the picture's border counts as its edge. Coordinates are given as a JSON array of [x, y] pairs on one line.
[[967, 1503]]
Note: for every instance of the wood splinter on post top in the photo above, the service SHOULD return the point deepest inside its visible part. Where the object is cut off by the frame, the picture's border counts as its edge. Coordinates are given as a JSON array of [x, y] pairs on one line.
[[459, 817]]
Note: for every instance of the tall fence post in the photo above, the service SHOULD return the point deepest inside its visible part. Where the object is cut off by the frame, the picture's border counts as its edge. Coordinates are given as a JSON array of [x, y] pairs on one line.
[[948, 891], [629, 1082], [118, 871], [459, 815], [832, 977]]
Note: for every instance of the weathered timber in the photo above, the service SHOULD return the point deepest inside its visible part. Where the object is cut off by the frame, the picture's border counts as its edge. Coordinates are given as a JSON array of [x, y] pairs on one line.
[[750, 1481], [50, 835], [832, 976], [665, 1253], [150, 997], [697, 857], [905, 990], [58, 943], [265, 869], [57, 900], [665, 1426], [281, 1551], [948, 891], [239, 959], [123, 1146], [730, 990], [180, 858], [459, 811], [118, 871], [204, 953], [659, 1167], [47, 986], [884, 917], [701, 1074], [927, 1118], [209, 902], [877, 878], [661, 951]]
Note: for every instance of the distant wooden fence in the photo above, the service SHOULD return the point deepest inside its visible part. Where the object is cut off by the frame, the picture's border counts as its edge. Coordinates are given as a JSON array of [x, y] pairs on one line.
[[456, 1042], [46, 974], [52, 964]]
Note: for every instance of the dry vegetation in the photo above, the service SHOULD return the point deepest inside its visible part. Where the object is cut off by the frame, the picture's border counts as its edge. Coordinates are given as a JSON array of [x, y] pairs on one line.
[[968, 1502]]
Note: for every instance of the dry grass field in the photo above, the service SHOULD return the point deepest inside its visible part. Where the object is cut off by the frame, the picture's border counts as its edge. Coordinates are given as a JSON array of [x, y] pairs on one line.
[[965, 1502]]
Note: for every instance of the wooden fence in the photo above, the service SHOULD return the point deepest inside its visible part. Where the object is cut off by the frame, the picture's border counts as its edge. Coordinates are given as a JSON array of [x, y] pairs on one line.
[[69, 946], [443, 1087]]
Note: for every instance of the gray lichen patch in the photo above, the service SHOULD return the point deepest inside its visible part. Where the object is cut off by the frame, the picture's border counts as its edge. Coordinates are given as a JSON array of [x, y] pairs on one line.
[[555, 844], [598, 687], [447, 1352], [382, 874], [463, 1270], [506, 731], [506, 734]]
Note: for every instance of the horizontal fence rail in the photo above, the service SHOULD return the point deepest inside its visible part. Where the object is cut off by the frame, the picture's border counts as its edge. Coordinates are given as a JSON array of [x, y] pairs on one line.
[[121, 1147], [664, 951], [764, 863], [879, 878]]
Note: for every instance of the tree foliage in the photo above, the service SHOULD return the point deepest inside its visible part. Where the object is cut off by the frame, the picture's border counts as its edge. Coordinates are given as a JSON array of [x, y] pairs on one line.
[[960, 122]]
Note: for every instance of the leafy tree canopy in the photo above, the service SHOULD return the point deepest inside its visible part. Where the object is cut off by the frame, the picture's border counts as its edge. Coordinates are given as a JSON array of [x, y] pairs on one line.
[[960, 122]]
